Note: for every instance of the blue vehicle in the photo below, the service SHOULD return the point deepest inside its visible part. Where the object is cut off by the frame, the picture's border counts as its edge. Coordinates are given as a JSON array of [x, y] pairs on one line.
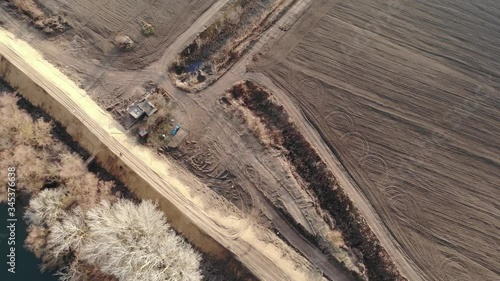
[[175, 130]]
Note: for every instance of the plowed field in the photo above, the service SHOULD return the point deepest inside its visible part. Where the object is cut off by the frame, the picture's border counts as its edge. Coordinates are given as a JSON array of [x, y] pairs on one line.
[[97, 23], [405, 93]]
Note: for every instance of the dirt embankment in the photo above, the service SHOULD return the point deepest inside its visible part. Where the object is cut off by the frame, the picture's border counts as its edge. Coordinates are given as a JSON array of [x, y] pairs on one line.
[[319, 179]]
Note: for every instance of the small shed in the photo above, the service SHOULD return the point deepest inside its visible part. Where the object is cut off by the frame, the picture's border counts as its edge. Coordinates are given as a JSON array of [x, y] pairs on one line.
[[139, 108], [143, 133], [147, 107]]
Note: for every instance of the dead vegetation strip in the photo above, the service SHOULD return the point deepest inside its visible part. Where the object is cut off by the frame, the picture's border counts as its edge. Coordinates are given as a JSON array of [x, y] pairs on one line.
[[309, 165], [222, 43], [49, 24]]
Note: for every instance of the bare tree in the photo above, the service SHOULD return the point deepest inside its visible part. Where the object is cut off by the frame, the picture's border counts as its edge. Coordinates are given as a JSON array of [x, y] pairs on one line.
[[134, 242], [68, 234], [36, 240], [48, 207]]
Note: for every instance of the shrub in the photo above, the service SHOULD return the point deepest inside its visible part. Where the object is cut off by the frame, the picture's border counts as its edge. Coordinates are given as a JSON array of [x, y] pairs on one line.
[[32, 170], [147, 29], [78, 271], [36, 240], [124, 43], [84, 187]]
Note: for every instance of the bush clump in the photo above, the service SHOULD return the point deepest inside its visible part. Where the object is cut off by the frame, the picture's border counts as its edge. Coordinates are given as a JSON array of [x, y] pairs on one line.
[[147, 29], [124, 43]]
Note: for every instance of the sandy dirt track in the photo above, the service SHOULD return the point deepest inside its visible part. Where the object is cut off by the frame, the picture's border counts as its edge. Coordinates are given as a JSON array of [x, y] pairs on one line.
[[270, 260], [406, 97], [107, 85]]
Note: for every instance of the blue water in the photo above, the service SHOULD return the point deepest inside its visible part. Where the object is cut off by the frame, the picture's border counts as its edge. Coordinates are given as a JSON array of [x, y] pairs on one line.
[[26, 263], [194, 66]]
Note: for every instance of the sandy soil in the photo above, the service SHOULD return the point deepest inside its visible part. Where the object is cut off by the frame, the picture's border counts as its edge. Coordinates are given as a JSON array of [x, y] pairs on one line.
[[405, 95]]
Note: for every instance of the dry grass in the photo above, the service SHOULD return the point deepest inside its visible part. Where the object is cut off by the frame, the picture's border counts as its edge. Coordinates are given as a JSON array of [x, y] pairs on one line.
[[48, 24], [30, 8]]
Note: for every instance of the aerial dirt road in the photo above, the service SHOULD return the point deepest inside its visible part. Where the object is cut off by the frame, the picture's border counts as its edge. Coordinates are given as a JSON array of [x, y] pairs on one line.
[[320, 263], [239, 72], [157, 72], [268, 260]]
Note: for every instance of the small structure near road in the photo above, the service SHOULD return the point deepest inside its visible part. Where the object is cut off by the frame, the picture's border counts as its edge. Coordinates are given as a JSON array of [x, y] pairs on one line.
[[141, 108], [143, 133]]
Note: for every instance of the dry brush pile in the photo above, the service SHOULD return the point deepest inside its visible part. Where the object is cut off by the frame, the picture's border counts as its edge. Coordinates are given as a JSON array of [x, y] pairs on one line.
[[49, 24], [159, 123], [320, 180], [77, 225]]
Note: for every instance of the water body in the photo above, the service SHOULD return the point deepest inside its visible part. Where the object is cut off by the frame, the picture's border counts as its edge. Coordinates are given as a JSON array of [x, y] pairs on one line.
[[27, 268], [193, 67]]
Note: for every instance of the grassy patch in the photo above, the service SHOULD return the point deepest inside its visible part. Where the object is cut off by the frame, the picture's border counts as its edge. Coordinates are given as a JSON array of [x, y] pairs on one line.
[[147, 29]]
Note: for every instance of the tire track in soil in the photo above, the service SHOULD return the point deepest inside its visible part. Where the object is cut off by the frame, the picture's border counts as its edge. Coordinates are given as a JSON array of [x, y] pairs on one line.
[[329, 268], [209, 158], [292, 37]]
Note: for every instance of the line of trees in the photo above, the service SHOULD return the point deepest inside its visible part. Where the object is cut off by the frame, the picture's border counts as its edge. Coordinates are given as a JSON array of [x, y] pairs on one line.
[[77, 224]]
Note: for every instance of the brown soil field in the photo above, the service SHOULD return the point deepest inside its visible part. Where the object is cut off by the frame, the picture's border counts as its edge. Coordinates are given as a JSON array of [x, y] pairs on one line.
[[255, 238], [405, 94], [96, 24]]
